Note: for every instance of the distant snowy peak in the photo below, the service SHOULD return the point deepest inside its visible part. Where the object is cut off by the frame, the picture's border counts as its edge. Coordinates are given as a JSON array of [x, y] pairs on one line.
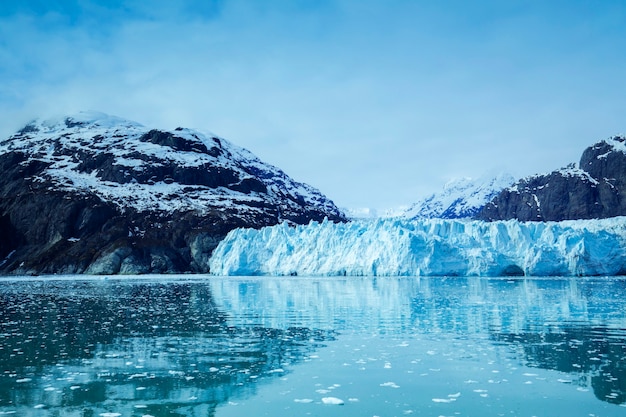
[[365, 213], [133, 166], [460, 198]]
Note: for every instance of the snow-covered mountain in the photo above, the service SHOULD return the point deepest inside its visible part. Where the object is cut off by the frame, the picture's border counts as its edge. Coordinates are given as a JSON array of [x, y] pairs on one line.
[[596, 188], [460, 198], [158, 200], [427, 247], [147, 169]]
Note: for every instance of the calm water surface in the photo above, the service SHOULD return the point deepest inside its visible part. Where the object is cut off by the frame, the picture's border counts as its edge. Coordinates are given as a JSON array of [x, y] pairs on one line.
[[210, 346]]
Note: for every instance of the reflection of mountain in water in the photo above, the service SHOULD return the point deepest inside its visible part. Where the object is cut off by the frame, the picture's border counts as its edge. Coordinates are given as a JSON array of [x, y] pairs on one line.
[[87, 348], [569, 325], [595, 355]]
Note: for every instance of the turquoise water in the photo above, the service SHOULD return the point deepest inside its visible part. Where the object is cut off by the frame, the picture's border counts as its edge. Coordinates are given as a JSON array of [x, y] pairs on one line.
[[212, 346]]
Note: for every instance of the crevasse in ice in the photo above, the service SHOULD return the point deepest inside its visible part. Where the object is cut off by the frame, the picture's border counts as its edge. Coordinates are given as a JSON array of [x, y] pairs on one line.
[[426, 247]]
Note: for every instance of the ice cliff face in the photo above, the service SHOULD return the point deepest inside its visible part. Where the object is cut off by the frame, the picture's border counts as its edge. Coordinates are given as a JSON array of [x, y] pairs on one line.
[[594, 189], [96, 193], [460, 198], [428, 247]]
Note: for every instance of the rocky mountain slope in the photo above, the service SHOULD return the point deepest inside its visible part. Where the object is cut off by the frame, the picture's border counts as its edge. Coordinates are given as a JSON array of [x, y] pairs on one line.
[[460, 198], [92, 193], [594, 189]]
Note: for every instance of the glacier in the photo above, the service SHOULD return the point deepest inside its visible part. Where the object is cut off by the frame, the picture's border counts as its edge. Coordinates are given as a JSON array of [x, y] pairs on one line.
[[426, 247]]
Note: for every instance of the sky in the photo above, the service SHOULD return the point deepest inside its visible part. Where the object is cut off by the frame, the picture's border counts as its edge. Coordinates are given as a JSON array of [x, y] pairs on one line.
[[375, 103]]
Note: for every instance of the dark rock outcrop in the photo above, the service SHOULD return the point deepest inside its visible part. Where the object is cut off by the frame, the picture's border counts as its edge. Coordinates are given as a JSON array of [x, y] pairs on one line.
[[597, 189], [97, 194]]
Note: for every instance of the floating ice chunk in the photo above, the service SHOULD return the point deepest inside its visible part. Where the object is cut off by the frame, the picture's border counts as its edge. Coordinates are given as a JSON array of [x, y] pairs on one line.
[[443, 400], [451, 398], [332, 401], [175, 373], [353, 400], [390, 385], [303, 400], [22, 380], [38, 406], [110, 414]]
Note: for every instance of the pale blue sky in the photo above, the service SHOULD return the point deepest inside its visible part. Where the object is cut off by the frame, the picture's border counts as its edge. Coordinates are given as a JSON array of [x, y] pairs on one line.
[[376, 103]]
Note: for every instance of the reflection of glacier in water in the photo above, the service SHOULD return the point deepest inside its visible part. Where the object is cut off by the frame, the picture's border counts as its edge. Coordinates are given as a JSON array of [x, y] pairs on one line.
[[577, 326], [398, 305], [181, 346]]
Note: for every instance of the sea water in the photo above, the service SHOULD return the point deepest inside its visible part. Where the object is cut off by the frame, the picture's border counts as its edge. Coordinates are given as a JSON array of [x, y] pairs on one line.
[[298, 346]]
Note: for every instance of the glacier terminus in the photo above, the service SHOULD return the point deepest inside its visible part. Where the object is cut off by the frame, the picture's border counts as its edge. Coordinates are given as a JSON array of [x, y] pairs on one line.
[[426, 247]]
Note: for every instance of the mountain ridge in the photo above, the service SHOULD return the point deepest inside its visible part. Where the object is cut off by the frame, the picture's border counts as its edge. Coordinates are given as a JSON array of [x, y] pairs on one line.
[[593, 189]]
